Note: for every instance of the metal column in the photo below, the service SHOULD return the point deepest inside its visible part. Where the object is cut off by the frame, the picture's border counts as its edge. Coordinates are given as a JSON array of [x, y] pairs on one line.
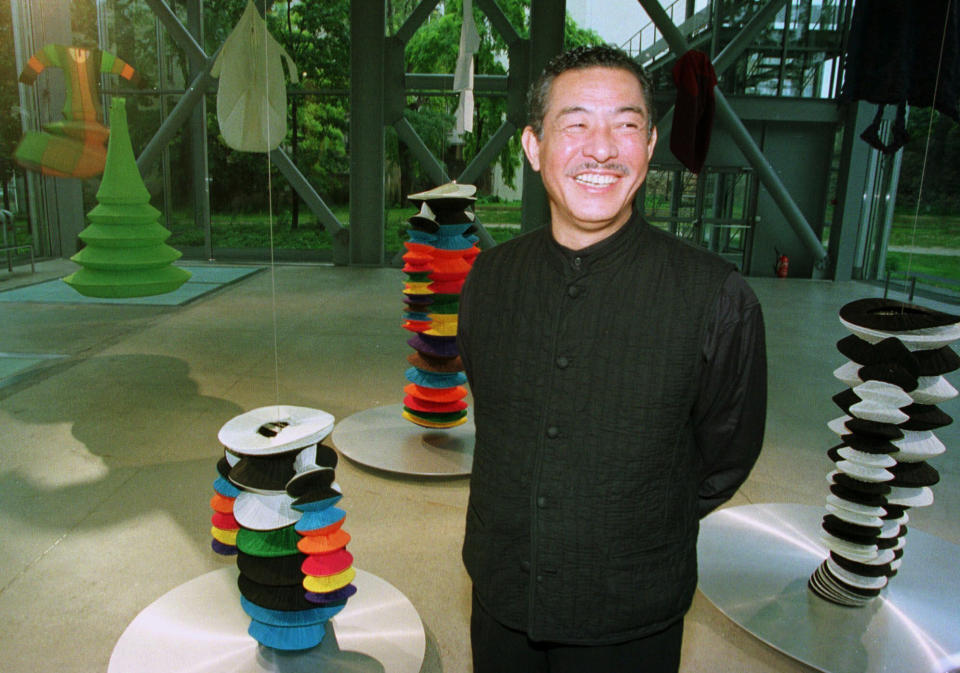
[[547, 19], [851, 193], [197, 135], [367, 150]]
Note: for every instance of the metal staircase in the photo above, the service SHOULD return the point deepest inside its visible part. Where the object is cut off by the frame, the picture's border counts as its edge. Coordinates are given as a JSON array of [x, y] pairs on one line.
[[799, 54]]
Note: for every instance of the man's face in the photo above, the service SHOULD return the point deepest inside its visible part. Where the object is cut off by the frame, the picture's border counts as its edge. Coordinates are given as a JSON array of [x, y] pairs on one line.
[[594, 152]]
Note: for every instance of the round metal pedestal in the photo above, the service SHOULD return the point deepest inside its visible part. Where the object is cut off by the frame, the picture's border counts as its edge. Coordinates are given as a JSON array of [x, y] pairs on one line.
[[383, 439], [754, 565], [200, 627]]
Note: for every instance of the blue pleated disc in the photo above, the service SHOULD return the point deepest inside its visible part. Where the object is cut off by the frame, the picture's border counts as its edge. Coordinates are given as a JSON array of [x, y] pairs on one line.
[[317, 505], [288, 618], [321, 519], [286, 637], [225, 488], [435, 379]]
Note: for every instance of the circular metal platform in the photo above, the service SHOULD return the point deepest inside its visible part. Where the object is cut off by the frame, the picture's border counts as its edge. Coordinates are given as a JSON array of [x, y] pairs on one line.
[[200, 627], [755, 561], [383, 439]]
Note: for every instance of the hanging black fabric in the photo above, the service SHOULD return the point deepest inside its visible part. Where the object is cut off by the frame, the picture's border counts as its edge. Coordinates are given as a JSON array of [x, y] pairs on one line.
[[894, 55]]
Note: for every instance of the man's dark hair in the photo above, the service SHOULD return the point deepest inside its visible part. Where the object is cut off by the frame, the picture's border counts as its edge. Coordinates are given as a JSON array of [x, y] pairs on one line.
[[578, 58]]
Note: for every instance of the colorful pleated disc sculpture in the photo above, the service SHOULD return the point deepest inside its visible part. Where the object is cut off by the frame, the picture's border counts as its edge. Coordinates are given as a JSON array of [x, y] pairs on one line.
[[897, 355], [438, 257], [125, 253], [276, 482]]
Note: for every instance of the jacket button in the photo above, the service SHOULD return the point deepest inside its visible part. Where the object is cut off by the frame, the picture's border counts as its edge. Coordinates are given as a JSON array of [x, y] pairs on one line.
[[542, 501], [553, 432], [525, 566], [539, 578], [573, 291], [563, 362]]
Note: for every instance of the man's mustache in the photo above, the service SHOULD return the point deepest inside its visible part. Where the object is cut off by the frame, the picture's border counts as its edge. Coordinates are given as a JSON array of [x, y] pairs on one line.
[[594, 166]]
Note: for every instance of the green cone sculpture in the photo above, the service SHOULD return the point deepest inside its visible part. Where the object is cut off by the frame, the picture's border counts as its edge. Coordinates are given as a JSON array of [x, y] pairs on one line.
[[125, 253]]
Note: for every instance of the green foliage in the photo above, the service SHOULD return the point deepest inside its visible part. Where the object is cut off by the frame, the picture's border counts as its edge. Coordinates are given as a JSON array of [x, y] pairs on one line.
[[936, 162]]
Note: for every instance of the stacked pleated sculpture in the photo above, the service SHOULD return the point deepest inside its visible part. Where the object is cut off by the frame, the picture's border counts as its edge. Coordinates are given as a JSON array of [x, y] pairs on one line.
[[897, 356], [295, 571], [439, 255], [224, 526], [125, 253]]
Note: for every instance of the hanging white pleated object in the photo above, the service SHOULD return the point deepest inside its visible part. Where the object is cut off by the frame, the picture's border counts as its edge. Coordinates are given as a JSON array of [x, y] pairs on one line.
[[252, 96], [463, 75]]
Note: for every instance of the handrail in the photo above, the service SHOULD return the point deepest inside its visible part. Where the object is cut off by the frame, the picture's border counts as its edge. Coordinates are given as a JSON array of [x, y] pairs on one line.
[[627, 46]]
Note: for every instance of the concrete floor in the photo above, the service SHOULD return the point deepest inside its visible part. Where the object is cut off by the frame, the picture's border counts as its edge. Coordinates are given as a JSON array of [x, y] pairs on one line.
[[107, 455]]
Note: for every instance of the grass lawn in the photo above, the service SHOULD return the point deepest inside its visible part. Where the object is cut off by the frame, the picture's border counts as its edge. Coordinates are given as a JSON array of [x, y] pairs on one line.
[[925, 231], [252, 230], [502, 219], [941, 266], [930, 231]]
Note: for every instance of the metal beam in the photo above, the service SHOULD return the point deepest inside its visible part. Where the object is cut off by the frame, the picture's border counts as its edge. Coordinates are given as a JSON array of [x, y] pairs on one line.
[[415, 20], [768, 176], [760, 20], [408, 135], [444, 82], [738, 132], [488, 153], [500, 23], [306, 191], [178, 33], [178, 117]]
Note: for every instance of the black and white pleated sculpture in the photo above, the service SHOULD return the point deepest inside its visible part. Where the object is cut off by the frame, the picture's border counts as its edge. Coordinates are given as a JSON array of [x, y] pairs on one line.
[[897, 356], [276, 481]]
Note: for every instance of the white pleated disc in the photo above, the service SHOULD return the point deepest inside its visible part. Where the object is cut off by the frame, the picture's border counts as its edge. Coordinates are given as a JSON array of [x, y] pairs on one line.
[[933, 390], [922, 339], [864, 472], [859, 581], [917, 445], [884, 556], [892, 528], [275, 429], [827, 586], [839, 425], [861, 553], [883, 394], [870, 410], [868, 459], [853, 517], [856, 507], [264, 512], [910, 497], [848, 373]]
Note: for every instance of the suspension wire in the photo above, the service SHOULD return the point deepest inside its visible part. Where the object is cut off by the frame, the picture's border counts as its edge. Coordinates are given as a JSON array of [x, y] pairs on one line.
[[273, 280], [926, 148]]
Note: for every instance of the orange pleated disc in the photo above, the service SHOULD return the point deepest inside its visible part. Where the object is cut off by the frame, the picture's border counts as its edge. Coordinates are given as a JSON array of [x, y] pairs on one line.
[[322, 544], [222, 504], [436, 394]]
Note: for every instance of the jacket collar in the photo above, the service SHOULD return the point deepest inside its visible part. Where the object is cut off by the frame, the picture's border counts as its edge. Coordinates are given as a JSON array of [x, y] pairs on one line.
[[602, 253]]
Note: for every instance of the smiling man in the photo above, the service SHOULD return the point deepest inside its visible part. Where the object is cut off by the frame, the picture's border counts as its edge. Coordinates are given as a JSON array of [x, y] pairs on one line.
[[619, 384]]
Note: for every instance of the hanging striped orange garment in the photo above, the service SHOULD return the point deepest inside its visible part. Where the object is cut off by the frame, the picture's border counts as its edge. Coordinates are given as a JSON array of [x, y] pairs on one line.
[[75, 147]]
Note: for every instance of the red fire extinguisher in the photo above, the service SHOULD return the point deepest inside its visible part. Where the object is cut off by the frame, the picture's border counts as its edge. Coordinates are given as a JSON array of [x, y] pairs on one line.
[[782, 266]]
